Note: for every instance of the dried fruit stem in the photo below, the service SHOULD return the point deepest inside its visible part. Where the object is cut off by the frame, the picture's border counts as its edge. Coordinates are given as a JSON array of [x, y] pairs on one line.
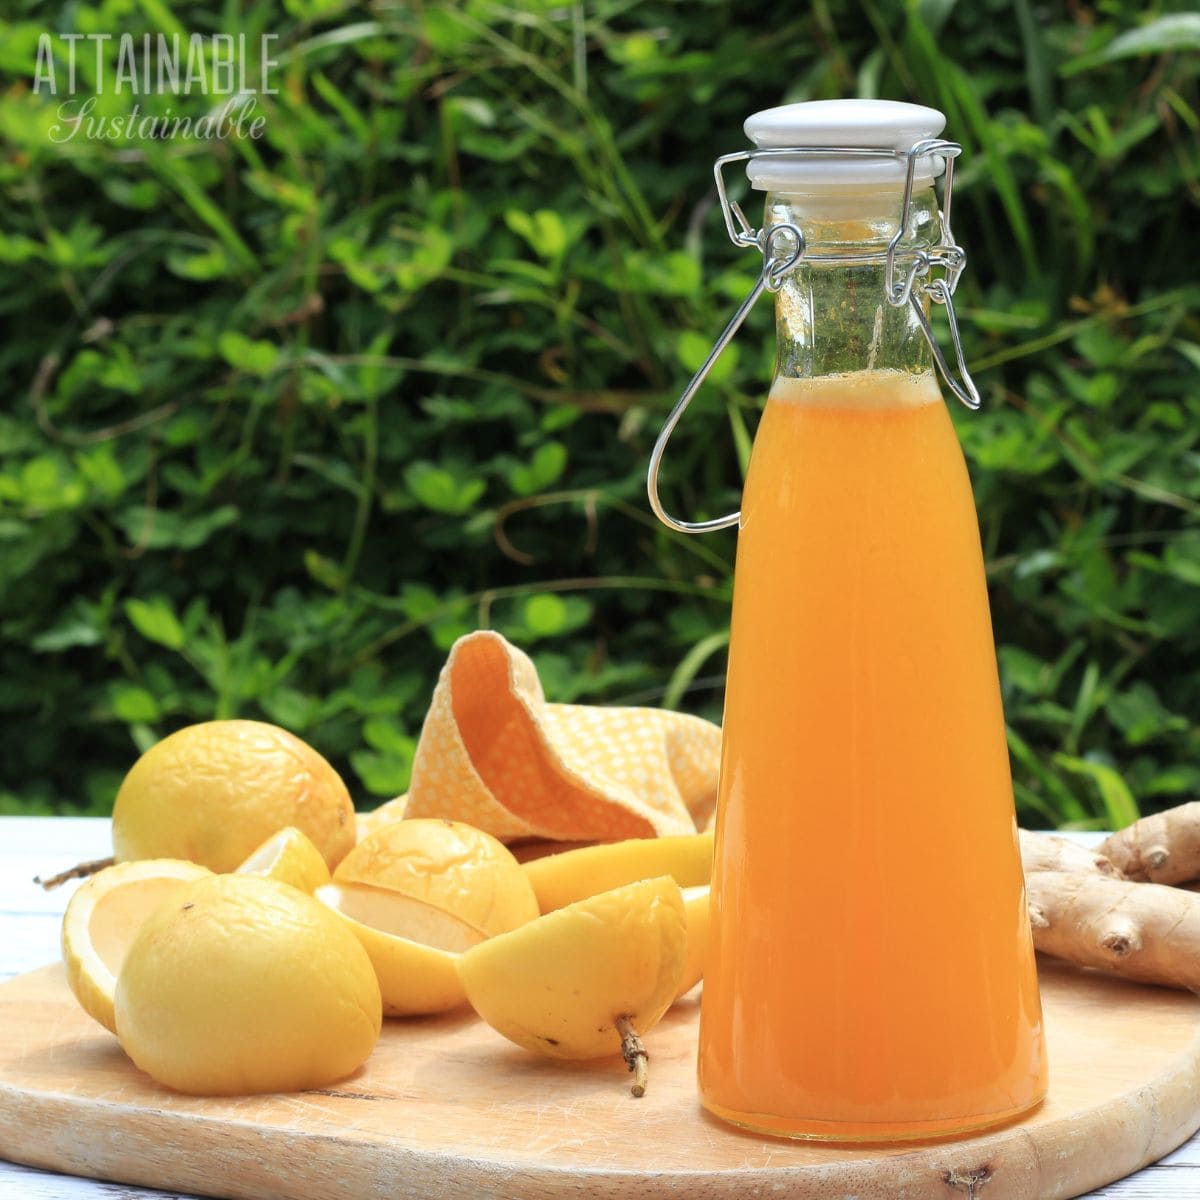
[[78, 871], [634, 1053]]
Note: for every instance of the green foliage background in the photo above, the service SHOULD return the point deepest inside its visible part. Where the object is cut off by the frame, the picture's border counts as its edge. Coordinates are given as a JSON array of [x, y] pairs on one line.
[[284, 417]]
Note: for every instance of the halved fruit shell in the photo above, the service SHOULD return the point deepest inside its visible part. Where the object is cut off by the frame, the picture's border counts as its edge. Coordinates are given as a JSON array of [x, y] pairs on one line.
[[572, 875], [289, 857], [367, 823], [102, 918], [413, 946]]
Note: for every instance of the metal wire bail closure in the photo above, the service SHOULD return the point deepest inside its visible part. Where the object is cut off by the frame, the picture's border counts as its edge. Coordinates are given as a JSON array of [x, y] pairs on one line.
[[781, 256], [778, 261]]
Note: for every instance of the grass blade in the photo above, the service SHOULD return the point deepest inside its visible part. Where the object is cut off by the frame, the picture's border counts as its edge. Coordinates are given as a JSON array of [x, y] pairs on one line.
[[689, 666]]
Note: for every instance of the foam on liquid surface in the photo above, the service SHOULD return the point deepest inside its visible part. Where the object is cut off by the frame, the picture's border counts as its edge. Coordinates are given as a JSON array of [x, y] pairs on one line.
[[886, 389]]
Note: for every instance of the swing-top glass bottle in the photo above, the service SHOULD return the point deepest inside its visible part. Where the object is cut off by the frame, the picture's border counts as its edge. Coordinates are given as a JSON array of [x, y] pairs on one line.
[[870, 974]]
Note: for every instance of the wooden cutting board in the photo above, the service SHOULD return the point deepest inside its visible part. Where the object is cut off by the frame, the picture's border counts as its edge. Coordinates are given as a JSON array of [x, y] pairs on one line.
[[446, 1108]]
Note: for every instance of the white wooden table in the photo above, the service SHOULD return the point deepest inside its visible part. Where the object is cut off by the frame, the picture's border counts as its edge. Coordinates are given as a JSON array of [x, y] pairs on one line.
[[29, 925]]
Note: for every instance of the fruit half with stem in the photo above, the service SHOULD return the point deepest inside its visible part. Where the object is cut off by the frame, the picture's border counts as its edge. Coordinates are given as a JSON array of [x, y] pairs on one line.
[[586, 980]]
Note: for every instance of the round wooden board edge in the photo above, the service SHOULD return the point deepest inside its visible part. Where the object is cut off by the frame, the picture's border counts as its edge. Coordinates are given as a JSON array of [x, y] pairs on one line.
[[1012, 1163]]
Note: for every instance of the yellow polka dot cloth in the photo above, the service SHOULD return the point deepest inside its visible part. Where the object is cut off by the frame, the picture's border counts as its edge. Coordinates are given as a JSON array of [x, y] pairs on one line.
[[494, 753]]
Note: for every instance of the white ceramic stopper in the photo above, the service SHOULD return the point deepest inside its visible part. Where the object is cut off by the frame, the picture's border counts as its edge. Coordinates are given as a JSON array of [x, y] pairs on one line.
[[878, 124]]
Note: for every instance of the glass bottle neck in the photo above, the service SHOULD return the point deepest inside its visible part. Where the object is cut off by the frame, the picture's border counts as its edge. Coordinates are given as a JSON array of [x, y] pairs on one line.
[[832, 315]]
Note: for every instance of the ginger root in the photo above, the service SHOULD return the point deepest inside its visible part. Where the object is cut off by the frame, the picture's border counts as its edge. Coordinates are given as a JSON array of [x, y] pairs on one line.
[[1047, 852], [1161, 848], [1141, 931], [1112, 906]]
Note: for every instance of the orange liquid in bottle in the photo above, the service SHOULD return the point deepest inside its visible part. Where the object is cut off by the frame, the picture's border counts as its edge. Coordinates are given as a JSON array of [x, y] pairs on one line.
[[871, 973]]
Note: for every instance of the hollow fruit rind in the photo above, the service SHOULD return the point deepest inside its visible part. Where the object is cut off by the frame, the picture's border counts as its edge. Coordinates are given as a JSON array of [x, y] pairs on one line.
[[561, 879], [413, 946], [449, 864], [289, 857], [104, 916]]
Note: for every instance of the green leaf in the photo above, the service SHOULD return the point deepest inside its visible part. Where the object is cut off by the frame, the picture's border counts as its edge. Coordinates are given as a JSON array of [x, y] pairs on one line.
[[76, 629], [477, 110], [205, 209], [388, 737], [1180, 780], [341, 35], [18, 249], [213, 263], [545, 614], [1166, 35], [1182, 558], [143, 195], [1056, 791], [1023, 671], [158, 529], [48, 485], [1120, 808], [1087, 700], [541, 472], [290, 708], [342, 104], [442, 489], [419, 600], [544, 230], [324, 570], [103, 472], [133, 704], [1189, 350], [1140, 715], [373, 378], [656, 274], [382, 774], [155, 619], [143, 736], [548, 615], [430, 256], [693, 348], [444, 31], [639, 48], [742, 441], [161, 17], [689, 667], [352, 258], [253, 357], [282, 191]]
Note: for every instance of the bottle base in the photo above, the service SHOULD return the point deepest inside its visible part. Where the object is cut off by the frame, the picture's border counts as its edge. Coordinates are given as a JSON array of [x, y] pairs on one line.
[[800, 1129]]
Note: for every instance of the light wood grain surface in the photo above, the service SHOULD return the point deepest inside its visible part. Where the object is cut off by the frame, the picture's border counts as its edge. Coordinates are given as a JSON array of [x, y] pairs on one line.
[[28, 938]]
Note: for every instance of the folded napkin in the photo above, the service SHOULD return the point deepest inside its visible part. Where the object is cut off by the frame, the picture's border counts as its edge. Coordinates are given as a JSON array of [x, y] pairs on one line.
[[493, 753]]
